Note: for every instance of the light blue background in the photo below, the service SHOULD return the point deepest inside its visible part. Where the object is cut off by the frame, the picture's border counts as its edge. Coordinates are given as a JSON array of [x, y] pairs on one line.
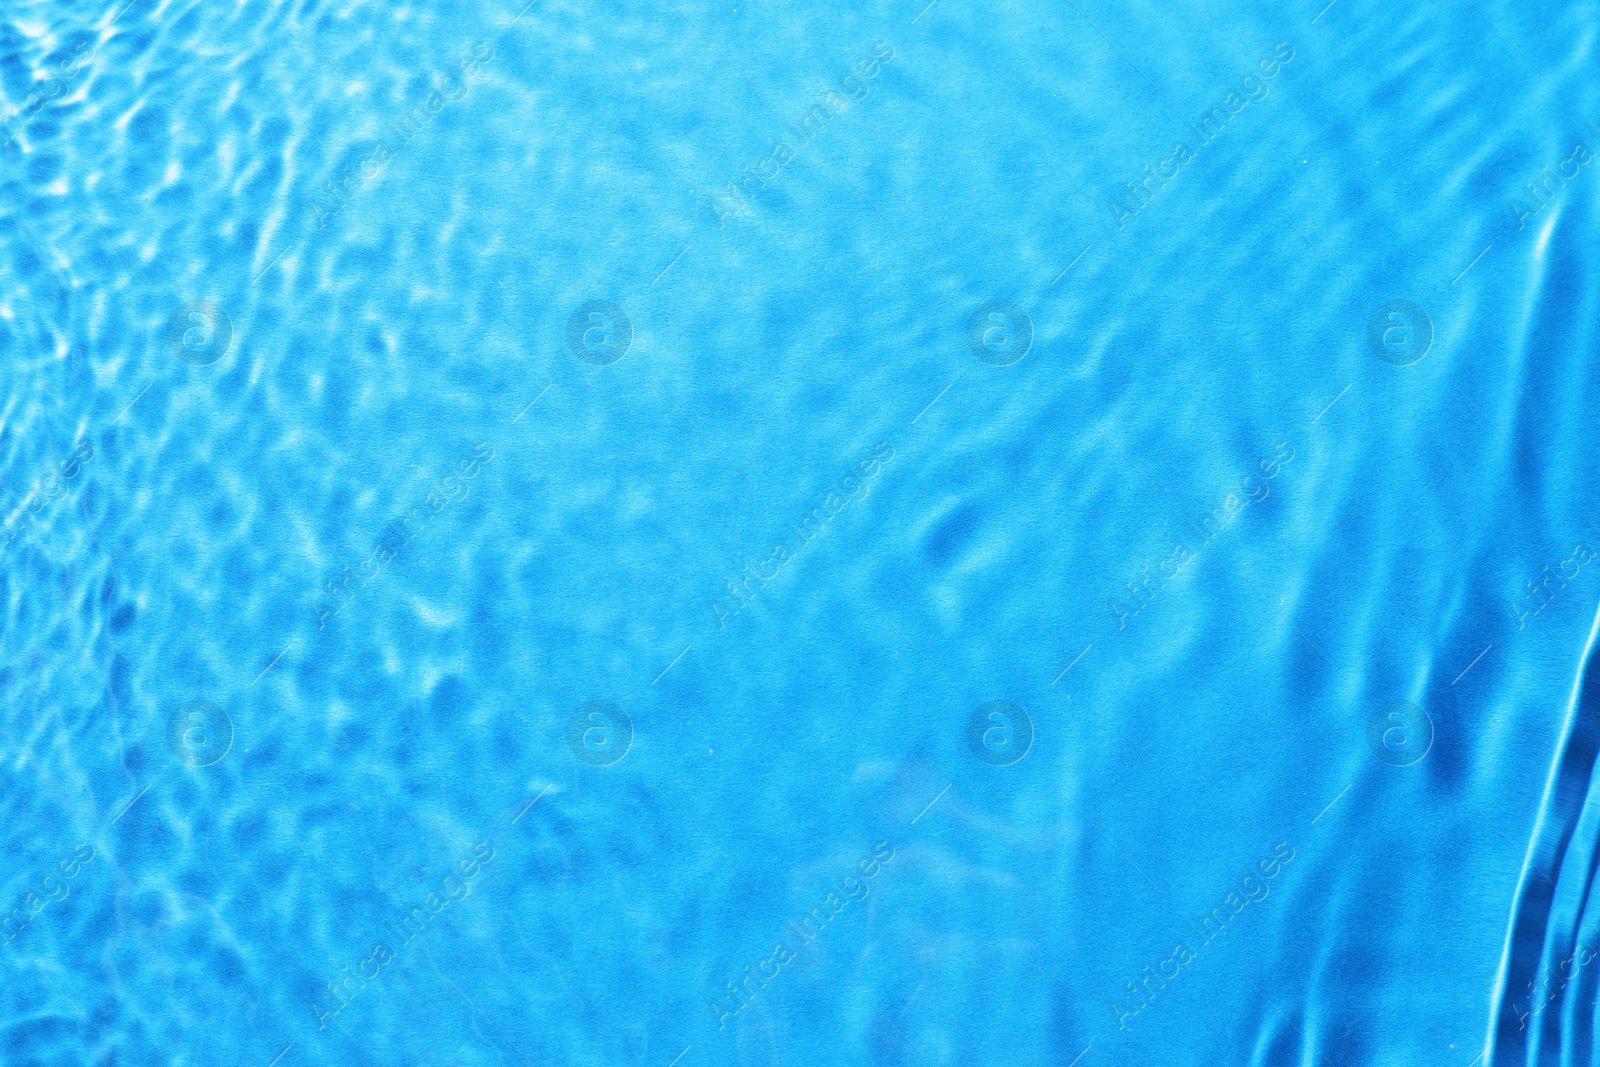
[[770, 355]]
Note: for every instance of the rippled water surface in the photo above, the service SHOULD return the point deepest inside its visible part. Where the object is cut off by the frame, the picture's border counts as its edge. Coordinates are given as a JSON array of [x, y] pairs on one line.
[[889, 533]]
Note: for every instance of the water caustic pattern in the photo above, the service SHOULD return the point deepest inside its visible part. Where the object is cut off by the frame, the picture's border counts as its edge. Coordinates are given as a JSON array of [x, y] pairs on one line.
[[896, 533]]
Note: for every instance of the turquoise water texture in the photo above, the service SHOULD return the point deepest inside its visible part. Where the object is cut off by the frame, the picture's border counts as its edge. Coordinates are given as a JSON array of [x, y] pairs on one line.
[[682, 534]]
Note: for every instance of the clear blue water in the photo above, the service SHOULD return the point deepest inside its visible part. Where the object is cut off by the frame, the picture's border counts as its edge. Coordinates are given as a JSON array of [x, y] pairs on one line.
[[546, 533]]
